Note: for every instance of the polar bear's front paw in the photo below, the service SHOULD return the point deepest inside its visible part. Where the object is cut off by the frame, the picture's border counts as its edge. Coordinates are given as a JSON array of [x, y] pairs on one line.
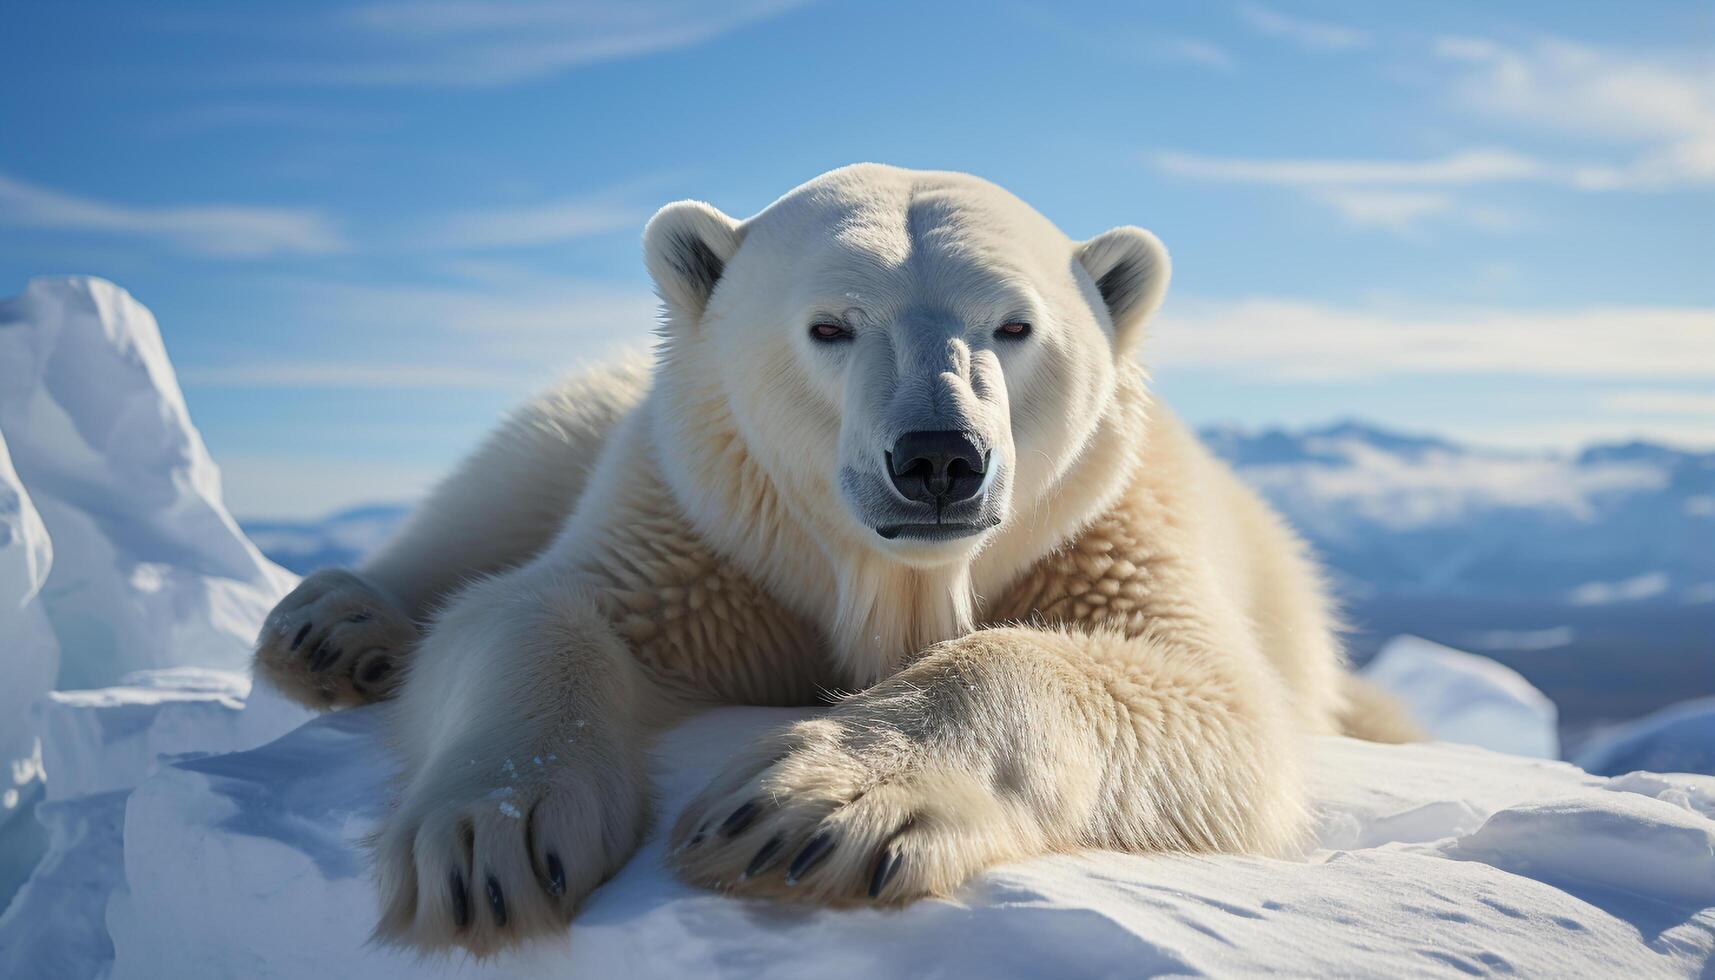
[[335, 641], [482, 863], [819, 813]]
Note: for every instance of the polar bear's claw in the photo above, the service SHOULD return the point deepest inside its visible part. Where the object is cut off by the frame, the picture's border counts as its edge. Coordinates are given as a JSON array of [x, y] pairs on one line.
[[556, 875], [463, 862], [886, 867], [496, 902], [812, 854], [832, 823], [460, 899]]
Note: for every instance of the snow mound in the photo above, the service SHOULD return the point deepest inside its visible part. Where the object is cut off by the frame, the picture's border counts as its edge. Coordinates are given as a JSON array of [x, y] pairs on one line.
[[96, 747], [1679, 738], [56, 925], [115, 551], [1460, 697], [1623, 844], [148, 569], [1428, 860], [32, 655], [113, 738]]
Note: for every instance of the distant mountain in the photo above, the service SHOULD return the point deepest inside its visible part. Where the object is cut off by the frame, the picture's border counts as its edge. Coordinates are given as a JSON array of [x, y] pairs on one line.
[[1390, 514], [1419, 516], [1590, 573], [339, 539]]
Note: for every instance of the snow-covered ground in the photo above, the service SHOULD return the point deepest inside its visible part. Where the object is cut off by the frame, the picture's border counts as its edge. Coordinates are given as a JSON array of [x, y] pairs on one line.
[[198, 828]]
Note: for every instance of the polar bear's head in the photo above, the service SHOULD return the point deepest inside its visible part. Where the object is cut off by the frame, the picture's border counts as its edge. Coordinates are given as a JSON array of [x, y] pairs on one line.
[[913, 357]]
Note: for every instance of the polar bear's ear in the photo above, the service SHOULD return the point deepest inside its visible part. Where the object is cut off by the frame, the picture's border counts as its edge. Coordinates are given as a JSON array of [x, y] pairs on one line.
[[1130, 269], [686, 247]]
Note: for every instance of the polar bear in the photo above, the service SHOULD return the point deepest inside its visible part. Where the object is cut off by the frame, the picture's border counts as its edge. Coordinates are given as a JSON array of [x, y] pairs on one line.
[[894, 454]]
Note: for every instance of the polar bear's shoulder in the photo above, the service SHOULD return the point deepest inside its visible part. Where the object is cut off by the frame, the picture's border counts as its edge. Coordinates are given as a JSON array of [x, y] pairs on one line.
[[695, 620]]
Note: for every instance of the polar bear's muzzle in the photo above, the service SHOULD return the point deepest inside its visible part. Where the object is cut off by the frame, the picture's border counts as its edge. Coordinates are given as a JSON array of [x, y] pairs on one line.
[[925, 443]]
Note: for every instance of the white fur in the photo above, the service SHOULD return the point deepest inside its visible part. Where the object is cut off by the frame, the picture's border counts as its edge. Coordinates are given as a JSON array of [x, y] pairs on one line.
[[1124, 660]]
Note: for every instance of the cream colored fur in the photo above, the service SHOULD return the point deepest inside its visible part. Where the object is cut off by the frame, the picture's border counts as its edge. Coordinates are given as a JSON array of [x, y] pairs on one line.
[[1127, 660]]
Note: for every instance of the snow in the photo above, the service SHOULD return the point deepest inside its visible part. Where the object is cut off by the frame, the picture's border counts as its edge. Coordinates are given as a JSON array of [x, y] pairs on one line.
[[1460, 697], [1625, 844], [97, 746], [32, 655], [1427, 859], [197, 828], [1679, 738], [148, 568], [56, 924], [111, 738], [116, 553]]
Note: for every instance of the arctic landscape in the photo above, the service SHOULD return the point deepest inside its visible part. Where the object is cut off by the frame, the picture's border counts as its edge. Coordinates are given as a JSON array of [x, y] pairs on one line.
[[163, 818]]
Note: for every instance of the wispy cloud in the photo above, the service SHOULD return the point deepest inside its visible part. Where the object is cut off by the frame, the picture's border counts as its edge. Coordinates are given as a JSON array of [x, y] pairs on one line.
[[1405, 211], [1655, 401], [1280, 338], [1392, 195], [1659, 105], [217, 116], [1468, 167], [1398, 211], [469, 44], [1312, 34], [224, 231], [1111, 40], [510, 320], [537, 224], [246, 231], [483, 326], [1573, 434], [281, 485], [1658, 110], [1191, 51], [378, 376]]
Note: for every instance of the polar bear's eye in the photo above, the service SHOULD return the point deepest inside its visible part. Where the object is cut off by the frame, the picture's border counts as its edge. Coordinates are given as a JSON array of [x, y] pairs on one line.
[[824, 331], [1014, 330]]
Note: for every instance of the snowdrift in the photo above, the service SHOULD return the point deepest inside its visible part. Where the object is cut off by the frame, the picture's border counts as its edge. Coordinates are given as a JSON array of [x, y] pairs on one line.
[[1680, 738], [1466, 698], [114, 544], [1428, 860], [200, 828]]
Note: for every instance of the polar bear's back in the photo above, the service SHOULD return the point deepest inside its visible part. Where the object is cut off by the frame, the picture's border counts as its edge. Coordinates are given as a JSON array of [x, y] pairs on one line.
[[510, 496]]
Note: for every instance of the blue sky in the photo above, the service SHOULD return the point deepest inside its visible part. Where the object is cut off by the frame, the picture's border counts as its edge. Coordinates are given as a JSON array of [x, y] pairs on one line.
[[367, 228]]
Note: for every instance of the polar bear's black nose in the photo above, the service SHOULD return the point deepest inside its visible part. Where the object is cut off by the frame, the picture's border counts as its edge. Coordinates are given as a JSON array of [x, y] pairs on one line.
[[936, 467]]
